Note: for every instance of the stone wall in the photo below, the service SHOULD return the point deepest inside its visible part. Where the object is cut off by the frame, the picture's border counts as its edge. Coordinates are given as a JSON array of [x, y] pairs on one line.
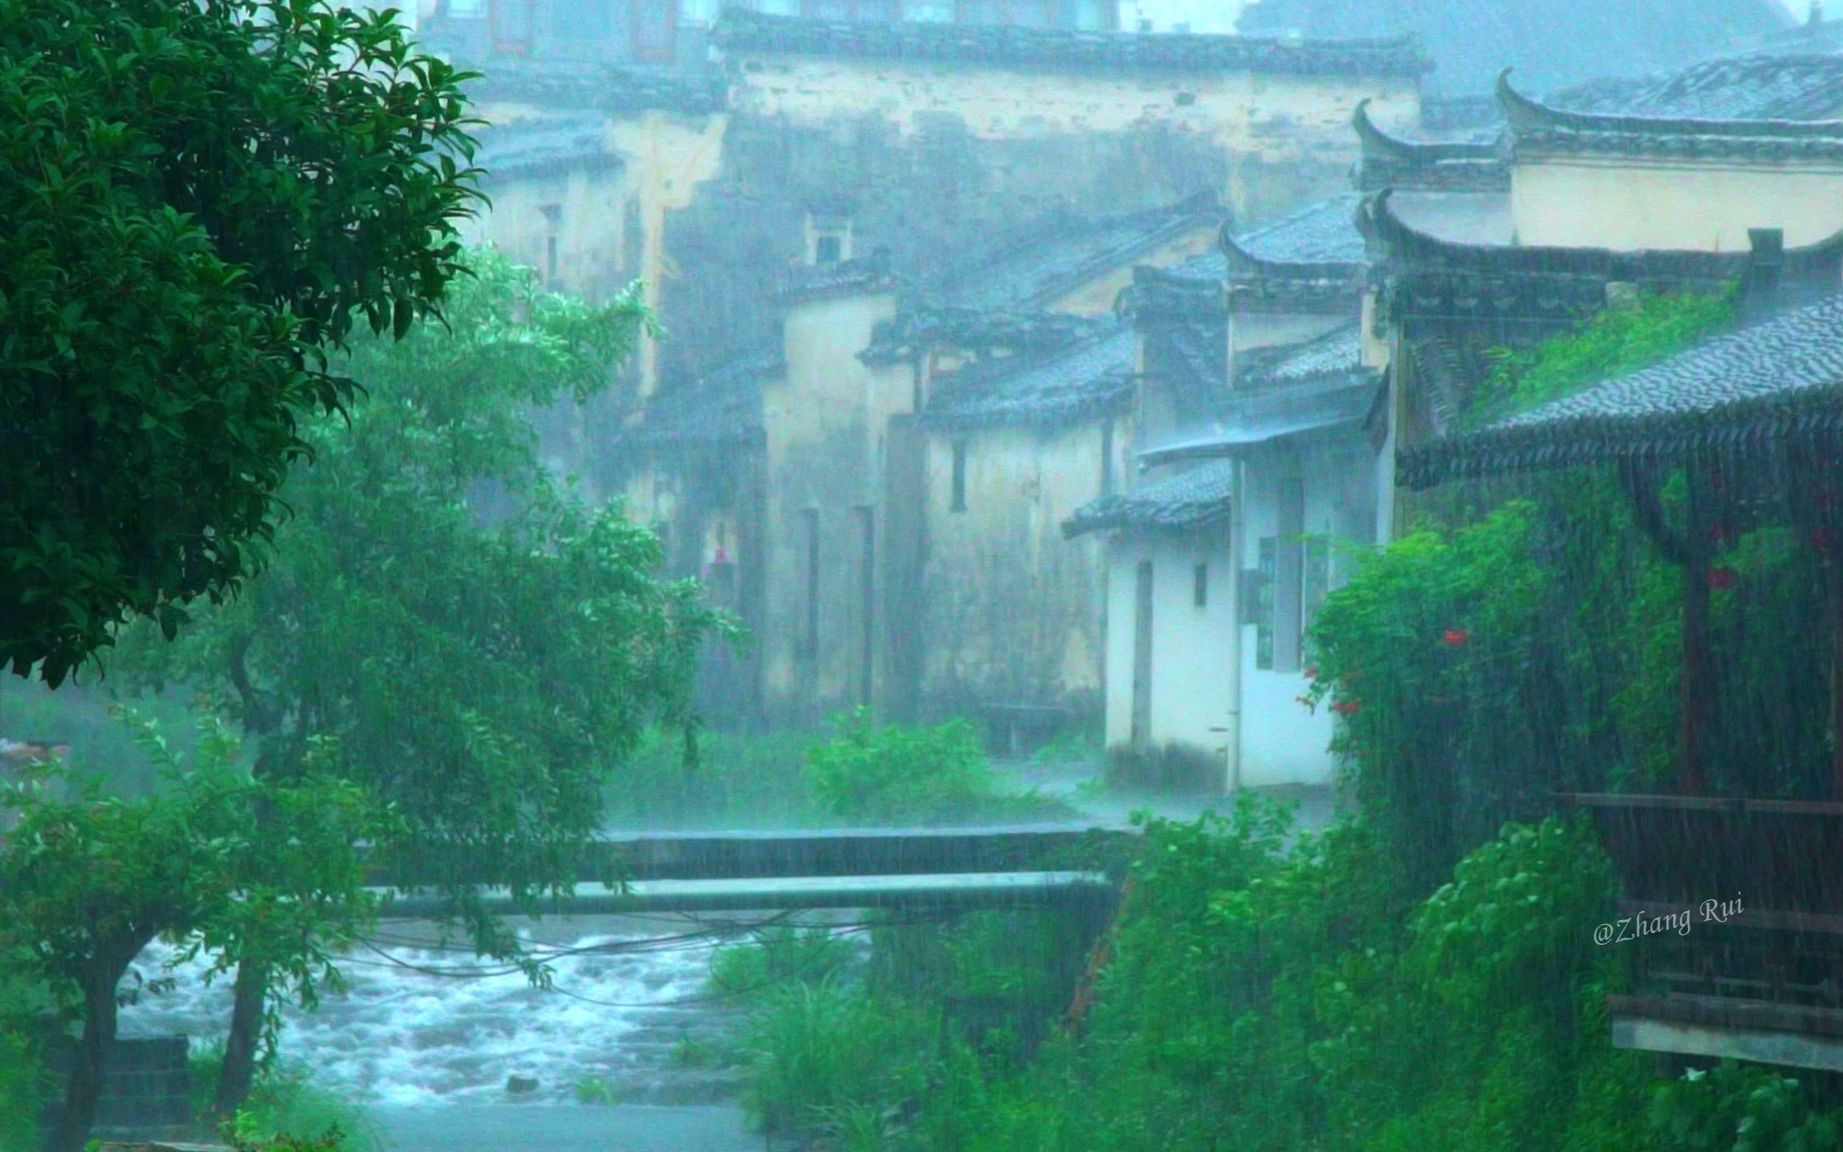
[[146, 1091]]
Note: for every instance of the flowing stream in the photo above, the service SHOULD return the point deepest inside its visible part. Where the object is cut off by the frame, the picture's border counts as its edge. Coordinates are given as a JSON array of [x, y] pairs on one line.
[[446, 1052]]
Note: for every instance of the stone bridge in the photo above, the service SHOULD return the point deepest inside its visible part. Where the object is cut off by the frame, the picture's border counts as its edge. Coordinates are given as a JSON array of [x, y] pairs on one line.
[[1007, 866]]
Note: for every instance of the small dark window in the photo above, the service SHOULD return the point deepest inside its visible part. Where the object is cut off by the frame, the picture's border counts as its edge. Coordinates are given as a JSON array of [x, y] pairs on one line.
[[827, 250], [1200, 591], [1107, 459], [959, 477]]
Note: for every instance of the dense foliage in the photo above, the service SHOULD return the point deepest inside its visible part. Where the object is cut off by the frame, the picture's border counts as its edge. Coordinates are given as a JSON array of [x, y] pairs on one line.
[[866, 773], [480, 668], [216, 859], [201, 200], [893, 772], [1265, 997], [1611, 343], [1423, 979]]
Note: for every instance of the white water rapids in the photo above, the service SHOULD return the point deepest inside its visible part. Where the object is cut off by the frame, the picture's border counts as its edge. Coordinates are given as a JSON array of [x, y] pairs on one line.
[[425, 1043]]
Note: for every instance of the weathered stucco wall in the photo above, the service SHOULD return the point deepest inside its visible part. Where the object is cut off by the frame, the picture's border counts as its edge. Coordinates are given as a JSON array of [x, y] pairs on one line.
[[1702, 206], [1286, 119], [1013, 609], [592, 257], [824, 421]]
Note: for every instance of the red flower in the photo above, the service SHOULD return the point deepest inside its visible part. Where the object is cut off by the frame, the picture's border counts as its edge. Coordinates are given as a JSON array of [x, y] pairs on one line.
[[1454, 637], [1721, 532], [1311, 671], [1723, 578], [1822, 540], [1345, 707]]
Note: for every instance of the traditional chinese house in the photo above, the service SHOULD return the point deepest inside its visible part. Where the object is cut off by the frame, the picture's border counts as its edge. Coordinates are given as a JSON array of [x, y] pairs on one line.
[[1740, 436]]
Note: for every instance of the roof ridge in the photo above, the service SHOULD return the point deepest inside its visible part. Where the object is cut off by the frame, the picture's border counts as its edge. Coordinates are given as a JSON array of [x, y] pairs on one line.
[[1526, 114], [1172, 51]]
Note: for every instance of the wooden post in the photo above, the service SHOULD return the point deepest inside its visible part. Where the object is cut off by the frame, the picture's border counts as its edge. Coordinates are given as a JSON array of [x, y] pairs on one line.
[[1836, 669], [1698, 699]]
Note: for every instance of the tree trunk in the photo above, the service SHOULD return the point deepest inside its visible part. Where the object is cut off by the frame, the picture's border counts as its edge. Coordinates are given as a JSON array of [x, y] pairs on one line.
[[83, 1088], [239, 1071]]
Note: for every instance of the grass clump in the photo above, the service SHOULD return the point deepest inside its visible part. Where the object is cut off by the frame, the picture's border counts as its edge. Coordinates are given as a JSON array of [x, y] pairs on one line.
[[823, 1055], [779, 955], [285, 1110]]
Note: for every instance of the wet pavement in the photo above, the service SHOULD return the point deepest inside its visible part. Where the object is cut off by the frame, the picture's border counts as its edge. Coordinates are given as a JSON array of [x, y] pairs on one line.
[[1079, 785]]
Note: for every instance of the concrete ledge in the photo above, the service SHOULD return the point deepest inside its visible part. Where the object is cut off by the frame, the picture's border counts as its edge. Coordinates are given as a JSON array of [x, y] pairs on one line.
[[1790, 1049]]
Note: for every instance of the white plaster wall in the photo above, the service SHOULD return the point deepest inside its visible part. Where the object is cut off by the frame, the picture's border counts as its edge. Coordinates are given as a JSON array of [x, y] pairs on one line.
[[1705, 207], [1463, 217], [1190, 645]]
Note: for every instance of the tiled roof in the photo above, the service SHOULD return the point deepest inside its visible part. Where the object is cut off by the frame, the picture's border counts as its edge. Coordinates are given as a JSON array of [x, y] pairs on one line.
[[1337, 354], [1758, 86], [543, 147], [739, 31], [1190, 288], [604, 89], [1341, 400], [720, 409], [1310, 262], [1426, 275], [1538, 127], [916, 329], [1783, 376], [843, 278], [1059, 255], [1392, 162], [1192, 499], [1320, 234], [1075, 384], [1554, 42]]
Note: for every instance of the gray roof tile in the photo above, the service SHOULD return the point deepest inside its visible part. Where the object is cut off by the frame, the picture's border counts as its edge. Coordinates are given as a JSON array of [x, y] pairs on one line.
[[1322, 233], [1336, 354], [1780, 374], [1553, 42], [544, 146], [720, 409], [1759, 86], [1067, 386], [1192, 499], [1058, 255], [742, 31]]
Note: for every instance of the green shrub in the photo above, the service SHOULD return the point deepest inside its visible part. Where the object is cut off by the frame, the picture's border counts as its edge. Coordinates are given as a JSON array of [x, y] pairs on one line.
[[1741, 1108], [21, 1092], [777, 956], [889, 773], [285, 1110]]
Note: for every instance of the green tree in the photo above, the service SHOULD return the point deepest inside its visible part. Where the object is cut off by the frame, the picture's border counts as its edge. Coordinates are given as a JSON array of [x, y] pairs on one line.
[[481, 674], [201, 200], [88, 881]]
